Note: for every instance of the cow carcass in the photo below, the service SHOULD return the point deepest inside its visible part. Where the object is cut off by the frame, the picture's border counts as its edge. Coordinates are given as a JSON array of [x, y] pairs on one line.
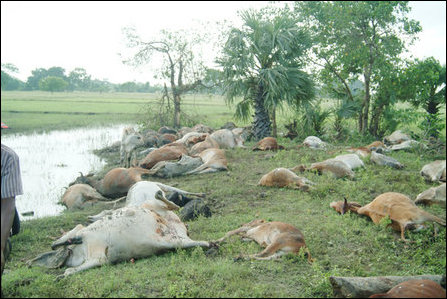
[[130, 232], [78, 196], [168, 169], [171, 151], [434, 171]]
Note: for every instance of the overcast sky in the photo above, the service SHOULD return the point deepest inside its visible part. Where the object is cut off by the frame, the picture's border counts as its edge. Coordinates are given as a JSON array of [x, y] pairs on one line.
[[88, 34]]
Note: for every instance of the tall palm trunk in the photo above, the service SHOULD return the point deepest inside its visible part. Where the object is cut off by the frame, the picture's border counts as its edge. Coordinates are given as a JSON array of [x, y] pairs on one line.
[[261, 121]]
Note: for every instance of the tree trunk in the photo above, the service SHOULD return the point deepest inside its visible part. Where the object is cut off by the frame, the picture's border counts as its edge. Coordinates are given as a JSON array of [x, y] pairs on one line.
[[363, 287], [375, 119], [275, 129], [432, 107], [366, 101], [261, 122], [176, 111]]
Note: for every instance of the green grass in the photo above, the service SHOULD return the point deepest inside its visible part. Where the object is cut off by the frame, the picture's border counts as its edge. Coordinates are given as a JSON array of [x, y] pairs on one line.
[[349, 245], [26, 112]]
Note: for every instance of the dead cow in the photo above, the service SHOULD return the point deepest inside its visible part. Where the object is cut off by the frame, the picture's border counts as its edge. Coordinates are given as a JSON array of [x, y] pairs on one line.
[[338, 168], [213, 160], [191, 138], [168, 169], [116, 182], [143, 192], [227, 138], [401, 210], [396, 137], [128, 233], [283, 177], [434, 195], [352, 160], [380, 159], [79, 195], [278, 238], [314, 142], [171, 151], [434, 171], [203, 145], [415, 288], [267, 144]]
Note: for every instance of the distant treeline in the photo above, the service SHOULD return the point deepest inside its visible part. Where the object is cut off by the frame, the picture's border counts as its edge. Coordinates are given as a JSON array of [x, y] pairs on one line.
[[55, 79]]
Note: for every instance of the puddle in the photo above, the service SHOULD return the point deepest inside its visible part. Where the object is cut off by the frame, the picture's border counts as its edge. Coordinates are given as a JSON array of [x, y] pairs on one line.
[[50, 161]]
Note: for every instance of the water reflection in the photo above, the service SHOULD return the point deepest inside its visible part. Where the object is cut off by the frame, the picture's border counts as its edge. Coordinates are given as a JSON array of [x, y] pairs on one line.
[[50, 161]]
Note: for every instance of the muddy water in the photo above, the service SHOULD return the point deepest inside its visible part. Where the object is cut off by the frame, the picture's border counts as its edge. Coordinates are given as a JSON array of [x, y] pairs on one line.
[[50, 161]]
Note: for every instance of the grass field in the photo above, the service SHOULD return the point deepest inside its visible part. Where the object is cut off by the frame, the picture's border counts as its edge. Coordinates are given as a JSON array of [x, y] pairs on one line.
[[42, 111], [349, 245]]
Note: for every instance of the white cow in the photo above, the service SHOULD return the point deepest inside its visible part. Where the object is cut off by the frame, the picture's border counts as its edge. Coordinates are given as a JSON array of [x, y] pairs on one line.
[[314, 142], [129, 142], [352, 160], [434, 171], [143, 192], [127, 233], [433, 195], [227, 138]]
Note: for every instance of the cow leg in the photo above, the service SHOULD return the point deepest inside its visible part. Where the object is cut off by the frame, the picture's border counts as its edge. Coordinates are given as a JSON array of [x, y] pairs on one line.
[[167, 188], [402, 232], [191, 243], [87, 265], [238, 231], [209, 170], [102, 214], [198, 169]]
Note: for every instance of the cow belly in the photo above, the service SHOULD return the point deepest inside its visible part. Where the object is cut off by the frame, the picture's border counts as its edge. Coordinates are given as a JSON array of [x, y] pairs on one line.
[[130, 236]]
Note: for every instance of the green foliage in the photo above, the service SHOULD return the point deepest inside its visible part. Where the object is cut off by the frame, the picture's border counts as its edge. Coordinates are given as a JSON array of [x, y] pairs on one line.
[[52, 84], [424, 86], [353, 39], [262, 63], [10, 83]]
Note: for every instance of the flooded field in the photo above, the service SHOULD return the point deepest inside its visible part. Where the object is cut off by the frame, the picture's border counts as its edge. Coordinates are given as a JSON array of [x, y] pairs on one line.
[[50, 161]]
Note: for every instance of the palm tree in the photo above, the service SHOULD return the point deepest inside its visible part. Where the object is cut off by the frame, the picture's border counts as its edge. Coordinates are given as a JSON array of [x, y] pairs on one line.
[[262, 63]]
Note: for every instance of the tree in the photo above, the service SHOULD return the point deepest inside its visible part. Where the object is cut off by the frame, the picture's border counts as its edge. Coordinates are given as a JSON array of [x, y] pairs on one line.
[[262, 63], [353, 39], [38, 74], [9, 82], [424, 86], [182, 64], [53, 84], [78, 79]]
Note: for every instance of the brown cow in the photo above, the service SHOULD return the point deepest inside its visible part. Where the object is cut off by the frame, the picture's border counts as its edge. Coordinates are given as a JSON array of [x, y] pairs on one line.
[[267, 144], [213, 160], [401, 210], [415, 288], [201, 146], [283, 177], [364, 151], [171, 151], [278, 238], [116, 182], [79, 195]]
